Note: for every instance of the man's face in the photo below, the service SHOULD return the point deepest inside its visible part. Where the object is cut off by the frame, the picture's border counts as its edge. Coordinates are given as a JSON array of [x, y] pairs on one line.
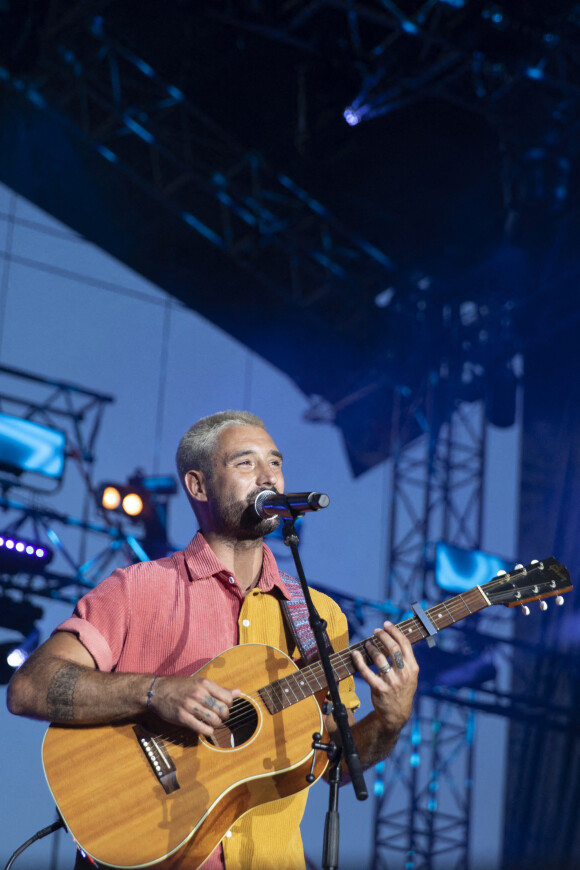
[[246, 462]]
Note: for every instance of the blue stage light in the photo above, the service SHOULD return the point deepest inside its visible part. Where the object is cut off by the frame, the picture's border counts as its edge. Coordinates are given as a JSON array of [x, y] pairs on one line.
[[458, 570], [20, 651], [351, 116], [18, 616], [26, 446], [18, 555]]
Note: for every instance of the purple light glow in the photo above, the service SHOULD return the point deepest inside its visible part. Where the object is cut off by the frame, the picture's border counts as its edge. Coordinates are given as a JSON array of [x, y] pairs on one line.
[[351, 116]]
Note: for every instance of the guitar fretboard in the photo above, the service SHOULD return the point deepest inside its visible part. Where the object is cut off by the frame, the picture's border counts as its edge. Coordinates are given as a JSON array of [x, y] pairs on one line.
[[311, 679]]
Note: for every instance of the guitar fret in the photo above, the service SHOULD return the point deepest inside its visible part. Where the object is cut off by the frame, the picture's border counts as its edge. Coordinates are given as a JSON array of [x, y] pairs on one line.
[[464, 602], [311, 679], [288, 684], [301, 684], [277, 695], [449, 612], [317, 673]]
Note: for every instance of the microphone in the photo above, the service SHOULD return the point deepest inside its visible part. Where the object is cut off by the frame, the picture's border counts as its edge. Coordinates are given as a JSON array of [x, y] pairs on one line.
[[275, 504]]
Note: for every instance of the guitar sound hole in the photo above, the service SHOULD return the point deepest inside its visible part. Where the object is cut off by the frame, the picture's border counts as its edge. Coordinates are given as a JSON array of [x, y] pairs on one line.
[[240, 726]]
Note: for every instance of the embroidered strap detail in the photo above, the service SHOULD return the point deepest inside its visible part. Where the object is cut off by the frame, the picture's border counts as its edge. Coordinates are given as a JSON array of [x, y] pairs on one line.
[[296, 615]]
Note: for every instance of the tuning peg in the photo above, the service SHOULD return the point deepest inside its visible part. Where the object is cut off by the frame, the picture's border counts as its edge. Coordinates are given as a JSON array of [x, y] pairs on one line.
[[559, 600], [543, 605], [525, 610], [519, 566]]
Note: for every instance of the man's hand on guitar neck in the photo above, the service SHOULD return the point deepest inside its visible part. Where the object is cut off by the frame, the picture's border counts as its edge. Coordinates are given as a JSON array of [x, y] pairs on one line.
[[394, 684], [60, 683], [392, 687]]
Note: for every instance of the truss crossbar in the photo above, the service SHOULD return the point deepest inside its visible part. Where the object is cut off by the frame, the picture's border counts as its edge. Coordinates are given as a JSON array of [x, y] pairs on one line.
[[150, 130]]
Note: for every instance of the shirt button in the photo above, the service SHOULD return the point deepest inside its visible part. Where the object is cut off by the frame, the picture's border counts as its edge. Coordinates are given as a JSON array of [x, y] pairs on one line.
[[232, 580], [245, 622]]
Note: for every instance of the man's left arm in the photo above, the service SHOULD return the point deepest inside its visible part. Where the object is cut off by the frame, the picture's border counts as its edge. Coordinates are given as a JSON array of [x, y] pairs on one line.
[[392, 688]]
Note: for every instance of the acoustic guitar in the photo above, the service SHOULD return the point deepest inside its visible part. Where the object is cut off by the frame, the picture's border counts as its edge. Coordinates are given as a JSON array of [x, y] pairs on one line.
[[143, 792]]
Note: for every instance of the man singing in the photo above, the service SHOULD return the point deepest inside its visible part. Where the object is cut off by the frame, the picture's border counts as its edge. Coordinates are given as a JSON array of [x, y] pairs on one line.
[[135, 640]]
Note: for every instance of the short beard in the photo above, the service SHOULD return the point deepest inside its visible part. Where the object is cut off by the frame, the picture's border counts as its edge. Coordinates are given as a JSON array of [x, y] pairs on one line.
[[239, 521]]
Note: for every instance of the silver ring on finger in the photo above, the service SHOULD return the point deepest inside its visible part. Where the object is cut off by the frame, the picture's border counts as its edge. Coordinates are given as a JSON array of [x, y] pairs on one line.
[[385, 669]]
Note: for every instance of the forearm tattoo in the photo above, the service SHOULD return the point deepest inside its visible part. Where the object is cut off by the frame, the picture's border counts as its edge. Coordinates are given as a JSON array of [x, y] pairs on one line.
[[61, 693]]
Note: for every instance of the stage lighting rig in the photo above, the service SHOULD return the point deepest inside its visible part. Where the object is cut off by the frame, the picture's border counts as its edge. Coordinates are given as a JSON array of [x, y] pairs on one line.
[[136, 498], [142, 499], [19, 555]]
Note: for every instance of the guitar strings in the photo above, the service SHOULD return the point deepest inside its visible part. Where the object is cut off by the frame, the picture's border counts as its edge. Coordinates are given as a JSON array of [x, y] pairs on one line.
[[343, 659]]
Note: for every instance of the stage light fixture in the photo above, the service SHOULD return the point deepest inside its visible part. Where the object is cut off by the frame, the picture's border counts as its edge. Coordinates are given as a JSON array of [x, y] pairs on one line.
[[18, 616], [13, 654], [133, 504], [18, 554], [20, 651], [143, 499], [351, 116], [27, 446], [110, 498], [458, 570], [127, 499]]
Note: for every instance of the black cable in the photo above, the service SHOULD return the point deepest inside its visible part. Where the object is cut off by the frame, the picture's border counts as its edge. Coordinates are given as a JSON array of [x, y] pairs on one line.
[[38, 836]]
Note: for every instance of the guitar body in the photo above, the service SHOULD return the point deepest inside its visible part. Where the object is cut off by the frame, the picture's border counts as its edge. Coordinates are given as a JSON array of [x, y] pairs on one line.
[[126, 808]]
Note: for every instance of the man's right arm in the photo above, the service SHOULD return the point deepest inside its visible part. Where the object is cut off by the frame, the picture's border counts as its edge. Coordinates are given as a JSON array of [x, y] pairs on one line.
[[60, 683]]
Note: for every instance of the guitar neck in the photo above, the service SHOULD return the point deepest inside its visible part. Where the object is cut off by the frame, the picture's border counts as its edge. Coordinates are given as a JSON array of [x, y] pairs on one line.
[[311, 679]]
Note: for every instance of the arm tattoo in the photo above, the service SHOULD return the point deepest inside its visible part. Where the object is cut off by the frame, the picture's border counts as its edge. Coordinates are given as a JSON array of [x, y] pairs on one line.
[[61, 691]]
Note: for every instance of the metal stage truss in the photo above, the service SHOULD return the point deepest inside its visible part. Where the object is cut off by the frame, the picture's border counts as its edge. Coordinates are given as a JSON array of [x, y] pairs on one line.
[[84, 548], [148, 129], [424, 793]]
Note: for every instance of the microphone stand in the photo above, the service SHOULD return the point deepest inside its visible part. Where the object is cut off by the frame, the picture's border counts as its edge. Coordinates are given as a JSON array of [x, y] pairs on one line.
[[348, 749]]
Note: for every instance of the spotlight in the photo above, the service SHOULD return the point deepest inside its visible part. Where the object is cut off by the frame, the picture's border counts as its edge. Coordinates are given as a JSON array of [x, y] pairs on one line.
[[13, 654], [129, 499], [351, 116], [139, 496], [143, 499], [19, 617], [132, 504], [384, 298], [18, 554], [20, 652], [110, 498]]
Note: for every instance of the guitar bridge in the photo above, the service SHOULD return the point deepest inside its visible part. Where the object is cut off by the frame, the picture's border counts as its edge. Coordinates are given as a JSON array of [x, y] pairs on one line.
[[158, 757]]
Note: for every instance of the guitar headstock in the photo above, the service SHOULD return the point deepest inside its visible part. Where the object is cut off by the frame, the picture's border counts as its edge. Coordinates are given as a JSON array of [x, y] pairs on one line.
[[534, 582]]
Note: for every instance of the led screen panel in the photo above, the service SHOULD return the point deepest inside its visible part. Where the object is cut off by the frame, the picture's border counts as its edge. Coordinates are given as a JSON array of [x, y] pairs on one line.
[[29, 446]]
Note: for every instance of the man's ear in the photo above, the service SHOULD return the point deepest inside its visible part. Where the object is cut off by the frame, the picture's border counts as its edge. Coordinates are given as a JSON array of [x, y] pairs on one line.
[[196, 486]]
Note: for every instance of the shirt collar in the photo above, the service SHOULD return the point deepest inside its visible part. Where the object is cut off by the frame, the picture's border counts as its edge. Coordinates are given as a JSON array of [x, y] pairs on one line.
[[202, 562]]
